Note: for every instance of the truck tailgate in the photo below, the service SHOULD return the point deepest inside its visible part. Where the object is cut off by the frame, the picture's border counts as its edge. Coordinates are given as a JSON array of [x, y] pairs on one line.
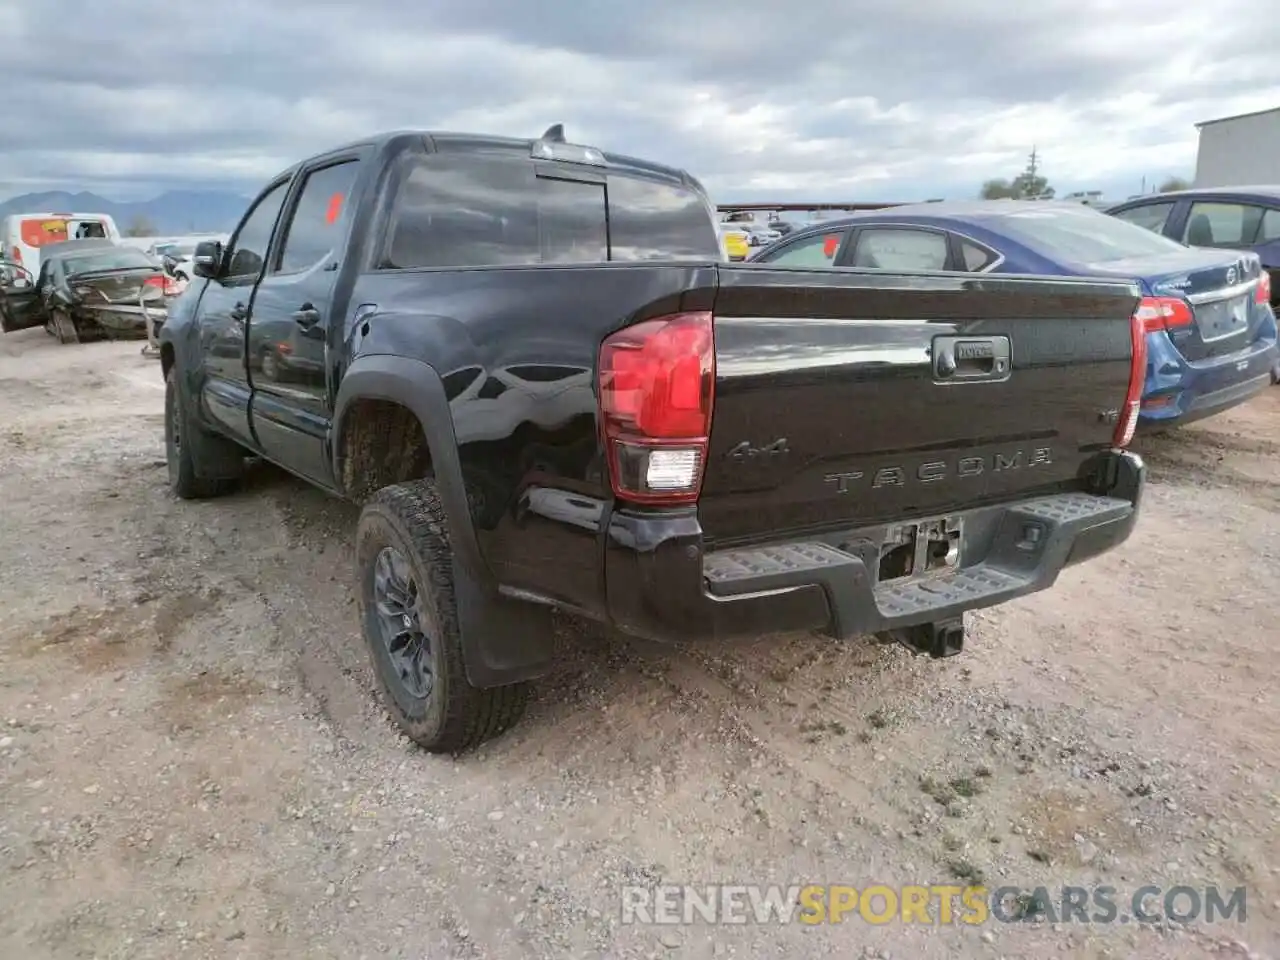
[[847, 398]]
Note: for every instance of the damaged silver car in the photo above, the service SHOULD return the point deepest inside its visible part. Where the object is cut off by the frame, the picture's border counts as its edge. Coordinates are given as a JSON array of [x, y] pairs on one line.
[[88, 289]]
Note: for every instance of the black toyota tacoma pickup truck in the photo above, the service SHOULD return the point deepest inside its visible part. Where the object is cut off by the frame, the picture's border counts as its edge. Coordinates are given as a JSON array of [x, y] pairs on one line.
[[530, 364]]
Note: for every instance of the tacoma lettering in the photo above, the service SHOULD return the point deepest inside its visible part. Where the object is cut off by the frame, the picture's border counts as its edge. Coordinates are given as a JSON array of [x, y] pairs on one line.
[[932, 471]]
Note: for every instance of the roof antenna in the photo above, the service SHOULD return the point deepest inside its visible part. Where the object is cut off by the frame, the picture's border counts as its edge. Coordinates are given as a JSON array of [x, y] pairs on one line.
[[555, 133]]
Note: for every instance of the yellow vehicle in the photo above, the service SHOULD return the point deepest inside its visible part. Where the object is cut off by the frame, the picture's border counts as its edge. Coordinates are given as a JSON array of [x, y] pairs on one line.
[[735, 241]]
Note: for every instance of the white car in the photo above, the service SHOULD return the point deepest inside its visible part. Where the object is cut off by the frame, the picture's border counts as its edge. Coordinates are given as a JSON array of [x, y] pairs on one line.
[[761, 234]]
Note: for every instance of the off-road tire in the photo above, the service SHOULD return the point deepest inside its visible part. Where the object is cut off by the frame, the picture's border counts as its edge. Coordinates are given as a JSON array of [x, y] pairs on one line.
[[64, 328], [454, 716], [185, 472]]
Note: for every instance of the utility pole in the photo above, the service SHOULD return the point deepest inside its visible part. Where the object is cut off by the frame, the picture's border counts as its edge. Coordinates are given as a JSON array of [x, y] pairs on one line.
[[1032, 164]]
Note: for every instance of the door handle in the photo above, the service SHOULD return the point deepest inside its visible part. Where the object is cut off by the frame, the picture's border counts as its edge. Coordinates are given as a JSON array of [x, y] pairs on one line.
[[970, 359], [239, 312], [306, 316]]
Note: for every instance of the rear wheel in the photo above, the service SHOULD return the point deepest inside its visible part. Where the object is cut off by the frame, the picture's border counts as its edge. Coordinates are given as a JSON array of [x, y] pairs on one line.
[[410, 623]]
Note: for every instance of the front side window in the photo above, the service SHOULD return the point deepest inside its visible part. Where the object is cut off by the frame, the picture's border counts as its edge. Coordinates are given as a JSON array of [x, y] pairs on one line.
[[249, 245], [1222, 224], [314, 231], [886, 248], [1149, 215], [818, 250]]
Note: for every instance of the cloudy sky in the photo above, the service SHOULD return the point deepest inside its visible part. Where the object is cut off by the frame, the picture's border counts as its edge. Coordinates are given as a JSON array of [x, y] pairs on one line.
[[834, 99]]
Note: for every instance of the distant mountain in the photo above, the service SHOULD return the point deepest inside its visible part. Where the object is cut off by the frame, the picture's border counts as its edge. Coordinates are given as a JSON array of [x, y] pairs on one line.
[[177, 211]]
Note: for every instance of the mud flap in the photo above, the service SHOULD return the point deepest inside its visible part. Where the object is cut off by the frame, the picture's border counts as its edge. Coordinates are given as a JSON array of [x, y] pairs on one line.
[[503, 640]]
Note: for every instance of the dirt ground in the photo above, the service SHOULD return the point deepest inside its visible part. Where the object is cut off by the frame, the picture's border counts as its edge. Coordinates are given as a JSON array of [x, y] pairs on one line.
[[192, 763]]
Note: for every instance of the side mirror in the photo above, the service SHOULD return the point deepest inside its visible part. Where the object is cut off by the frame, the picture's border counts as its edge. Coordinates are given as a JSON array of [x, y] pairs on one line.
[[207, 260]]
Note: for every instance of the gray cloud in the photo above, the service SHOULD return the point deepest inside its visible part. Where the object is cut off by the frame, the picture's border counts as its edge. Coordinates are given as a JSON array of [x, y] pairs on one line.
[[847, 99]]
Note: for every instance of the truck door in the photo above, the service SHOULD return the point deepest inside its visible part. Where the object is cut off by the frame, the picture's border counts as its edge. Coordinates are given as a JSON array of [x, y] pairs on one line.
[[224, 313], [293, 324]]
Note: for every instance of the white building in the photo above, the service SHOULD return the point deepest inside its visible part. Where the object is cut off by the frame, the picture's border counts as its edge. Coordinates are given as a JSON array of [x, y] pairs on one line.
[[1240, 150]]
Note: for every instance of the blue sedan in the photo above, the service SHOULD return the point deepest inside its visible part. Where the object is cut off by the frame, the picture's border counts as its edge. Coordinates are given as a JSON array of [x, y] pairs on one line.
[[1211, 334]]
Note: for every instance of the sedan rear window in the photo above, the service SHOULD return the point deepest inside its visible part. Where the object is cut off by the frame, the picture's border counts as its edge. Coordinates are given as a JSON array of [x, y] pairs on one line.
[[1082, 235]]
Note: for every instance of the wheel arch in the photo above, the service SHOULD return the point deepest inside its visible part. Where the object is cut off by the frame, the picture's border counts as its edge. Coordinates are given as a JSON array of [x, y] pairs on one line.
[[505, 640]]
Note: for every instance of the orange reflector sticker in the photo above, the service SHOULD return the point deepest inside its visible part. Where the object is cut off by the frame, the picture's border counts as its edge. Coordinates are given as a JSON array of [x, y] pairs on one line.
[[830, 245], [335, 209]]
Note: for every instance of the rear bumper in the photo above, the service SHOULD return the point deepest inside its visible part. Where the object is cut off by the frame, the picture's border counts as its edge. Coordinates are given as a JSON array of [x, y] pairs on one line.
[[1178, 392], [662, 585]]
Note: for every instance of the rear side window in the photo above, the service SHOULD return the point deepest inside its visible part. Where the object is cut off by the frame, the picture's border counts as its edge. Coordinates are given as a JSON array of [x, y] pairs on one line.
[[1222, 224], [818, 250], [1150, 215], [313, 230], [976, 258], [39, 231], [469, 211], [883, 248], [650, 220]]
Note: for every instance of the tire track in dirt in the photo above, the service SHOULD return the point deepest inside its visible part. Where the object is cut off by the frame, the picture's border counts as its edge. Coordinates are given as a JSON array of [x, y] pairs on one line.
[[878, 818]]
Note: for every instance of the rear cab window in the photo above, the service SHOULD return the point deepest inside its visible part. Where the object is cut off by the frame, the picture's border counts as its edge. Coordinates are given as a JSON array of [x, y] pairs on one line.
[[477, 210], [651, 219], [572, 224]]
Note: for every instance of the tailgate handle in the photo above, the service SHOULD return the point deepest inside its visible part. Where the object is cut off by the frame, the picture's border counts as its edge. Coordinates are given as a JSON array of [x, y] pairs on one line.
[[970, 359]]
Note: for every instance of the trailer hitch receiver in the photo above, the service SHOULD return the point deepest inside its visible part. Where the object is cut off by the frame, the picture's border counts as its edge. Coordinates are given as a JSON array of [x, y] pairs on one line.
[[941, 638]]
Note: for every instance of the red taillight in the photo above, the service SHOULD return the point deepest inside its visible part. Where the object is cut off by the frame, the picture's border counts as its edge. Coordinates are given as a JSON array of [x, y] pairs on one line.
[[1164, 313], [17, 255], [1263, 293], [166, 285], [657, 382], [1128, 421]]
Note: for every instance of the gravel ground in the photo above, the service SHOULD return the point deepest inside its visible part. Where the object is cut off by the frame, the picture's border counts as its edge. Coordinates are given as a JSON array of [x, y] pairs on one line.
[[193, 764]]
